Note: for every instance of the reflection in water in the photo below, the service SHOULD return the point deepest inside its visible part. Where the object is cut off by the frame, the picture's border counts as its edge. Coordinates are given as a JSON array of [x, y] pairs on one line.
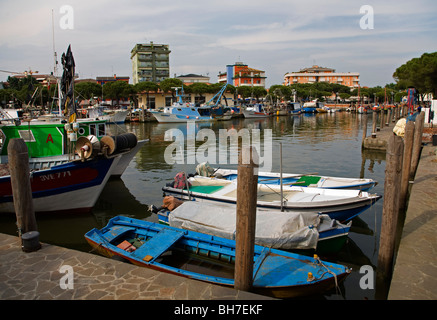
[[329, 144]]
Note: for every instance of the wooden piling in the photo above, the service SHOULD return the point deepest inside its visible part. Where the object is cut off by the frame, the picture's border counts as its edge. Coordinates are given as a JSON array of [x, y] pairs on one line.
[[381, 119], [364, 126], [374, 119], [394, 154], [417, 143], [247, 181], [18, 159], [388, 117], [406, 164]]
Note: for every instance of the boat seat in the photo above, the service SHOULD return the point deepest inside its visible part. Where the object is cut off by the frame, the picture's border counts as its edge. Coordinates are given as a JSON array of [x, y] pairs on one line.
[[115, 232], [160, 243]]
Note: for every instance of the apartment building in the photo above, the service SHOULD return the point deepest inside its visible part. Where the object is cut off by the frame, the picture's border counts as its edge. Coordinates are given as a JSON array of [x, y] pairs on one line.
[[150, 62], [320, 74], [239, 74]]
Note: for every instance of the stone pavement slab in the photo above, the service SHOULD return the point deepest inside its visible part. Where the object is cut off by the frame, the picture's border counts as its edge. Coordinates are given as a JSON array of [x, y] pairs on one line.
[[38, 275]]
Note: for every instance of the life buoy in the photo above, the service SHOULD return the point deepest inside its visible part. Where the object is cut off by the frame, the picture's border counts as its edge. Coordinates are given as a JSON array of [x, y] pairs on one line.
[[84, 111]]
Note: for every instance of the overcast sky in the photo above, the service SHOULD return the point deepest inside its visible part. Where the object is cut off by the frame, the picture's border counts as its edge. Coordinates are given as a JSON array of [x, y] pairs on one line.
[[276, 36]]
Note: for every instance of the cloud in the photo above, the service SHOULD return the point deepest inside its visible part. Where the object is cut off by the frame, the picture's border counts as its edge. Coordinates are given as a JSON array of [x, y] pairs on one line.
[[276, 36]]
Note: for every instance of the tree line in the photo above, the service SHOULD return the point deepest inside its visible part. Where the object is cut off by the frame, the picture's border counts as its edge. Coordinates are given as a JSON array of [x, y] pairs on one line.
[[420, 73]]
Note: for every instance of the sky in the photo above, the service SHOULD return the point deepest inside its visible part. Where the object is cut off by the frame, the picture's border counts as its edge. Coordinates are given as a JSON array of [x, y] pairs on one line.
[[276, 36]]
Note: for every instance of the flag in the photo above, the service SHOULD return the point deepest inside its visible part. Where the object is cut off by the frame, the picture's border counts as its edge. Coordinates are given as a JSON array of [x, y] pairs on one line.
[[67, 84]]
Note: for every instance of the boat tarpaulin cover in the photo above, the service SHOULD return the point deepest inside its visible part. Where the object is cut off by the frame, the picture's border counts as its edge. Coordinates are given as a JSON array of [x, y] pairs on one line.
[[275, 229]]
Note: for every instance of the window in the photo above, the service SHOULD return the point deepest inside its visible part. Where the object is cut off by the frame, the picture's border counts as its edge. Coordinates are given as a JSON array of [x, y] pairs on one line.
[[26, 135], [102, 130]]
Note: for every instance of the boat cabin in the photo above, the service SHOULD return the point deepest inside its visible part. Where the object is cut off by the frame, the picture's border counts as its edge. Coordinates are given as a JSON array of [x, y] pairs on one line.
[[46, 139]]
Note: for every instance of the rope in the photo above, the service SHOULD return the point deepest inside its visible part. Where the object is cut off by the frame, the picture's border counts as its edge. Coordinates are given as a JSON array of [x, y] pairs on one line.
[[337, 288]]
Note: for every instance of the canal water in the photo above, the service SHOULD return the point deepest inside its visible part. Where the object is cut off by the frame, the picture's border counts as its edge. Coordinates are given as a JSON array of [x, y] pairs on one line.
[[325, 144]]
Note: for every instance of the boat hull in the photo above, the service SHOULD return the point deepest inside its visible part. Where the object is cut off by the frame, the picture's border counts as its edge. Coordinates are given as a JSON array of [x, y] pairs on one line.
[[334, 203], [72, 187], [253, 114], [162, 117]]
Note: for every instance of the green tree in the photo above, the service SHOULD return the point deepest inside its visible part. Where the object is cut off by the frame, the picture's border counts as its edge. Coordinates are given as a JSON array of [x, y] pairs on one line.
[[116, 90], [87, 90], [420, 73], [198, 88]]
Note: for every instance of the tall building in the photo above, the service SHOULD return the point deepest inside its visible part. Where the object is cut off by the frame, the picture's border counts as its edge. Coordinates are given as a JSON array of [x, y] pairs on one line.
[[321, 74], [150, 62], [239, 74]]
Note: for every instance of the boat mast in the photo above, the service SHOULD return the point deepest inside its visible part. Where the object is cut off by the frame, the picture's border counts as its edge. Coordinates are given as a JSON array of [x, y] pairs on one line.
[[55, 65]]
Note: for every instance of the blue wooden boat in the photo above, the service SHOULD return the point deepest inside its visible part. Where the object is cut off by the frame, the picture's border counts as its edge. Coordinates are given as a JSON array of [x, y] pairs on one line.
[[277, 273]]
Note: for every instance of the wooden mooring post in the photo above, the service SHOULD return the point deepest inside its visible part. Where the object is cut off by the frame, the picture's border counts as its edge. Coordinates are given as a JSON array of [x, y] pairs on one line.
[[406, 165], [390, 213], [387, 122], [374, 120], [417, 144], [247, 181], [364, 126], [18, 160]]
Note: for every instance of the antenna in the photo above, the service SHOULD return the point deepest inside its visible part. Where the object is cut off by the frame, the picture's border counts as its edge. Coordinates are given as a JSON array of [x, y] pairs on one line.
[[55, 67]]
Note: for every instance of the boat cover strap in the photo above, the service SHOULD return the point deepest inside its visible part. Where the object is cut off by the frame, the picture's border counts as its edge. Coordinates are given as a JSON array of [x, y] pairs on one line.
[[160, 243]]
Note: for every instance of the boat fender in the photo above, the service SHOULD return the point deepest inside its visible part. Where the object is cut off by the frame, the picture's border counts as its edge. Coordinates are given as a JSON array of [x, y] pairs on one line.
[[180, 181]]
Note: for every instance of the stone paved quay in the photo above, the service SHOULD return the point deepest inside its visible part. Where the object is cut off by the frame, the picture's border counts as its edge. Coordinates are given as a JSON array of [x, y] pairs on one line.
[[36, 275], [415, 266]]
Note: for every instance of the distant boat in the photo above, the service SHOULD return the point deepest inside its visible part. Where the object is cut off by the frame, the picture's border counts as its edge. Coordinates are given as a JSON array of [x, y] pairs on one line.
[[255, 111], [275, 229], [100, 112], [276, 273], [294, 108], [312, 106], [342, 205], [183, 112]]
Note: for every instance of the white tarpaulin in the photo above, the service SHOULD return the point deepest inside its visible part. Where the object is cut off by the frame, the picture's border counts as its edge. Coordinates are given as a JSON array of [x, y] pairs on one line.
[[285, 230]]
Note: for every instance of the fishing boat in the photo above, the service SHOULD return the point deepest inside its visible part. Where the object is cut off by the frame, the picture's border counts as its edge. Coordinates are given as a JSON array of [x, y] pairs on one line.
[[100, 112], [183, 112], [301, 180], [71, 187], [294, 108], [255, 111], [312, 106], [277, 273], [54, 140], [341, 205], [274, 229]]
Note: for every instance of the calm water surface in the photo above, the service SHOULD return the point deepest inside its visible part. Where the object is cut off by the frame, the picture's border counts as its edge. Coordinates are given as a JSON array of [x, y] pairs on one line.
[[327, 144]]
